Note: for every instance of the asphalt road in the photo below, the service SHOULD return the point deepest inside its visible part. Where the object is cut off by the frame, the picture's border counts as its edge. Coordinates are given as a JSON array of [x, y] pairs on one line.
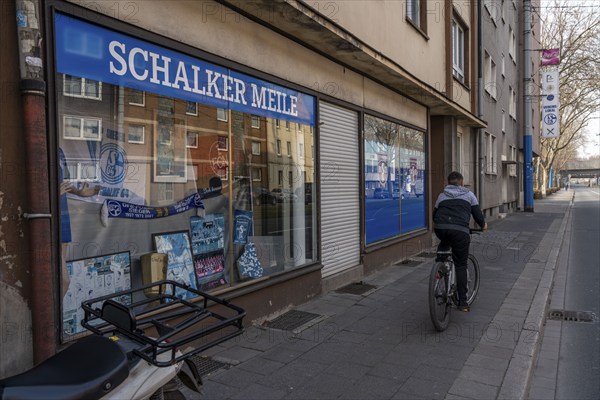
[[579, 357]]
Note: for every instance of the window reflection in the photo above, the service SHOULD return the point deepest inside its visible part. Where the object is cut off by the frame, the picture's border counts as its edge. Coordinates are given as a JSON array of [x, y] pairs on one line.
[[149, 150], [394, 171]]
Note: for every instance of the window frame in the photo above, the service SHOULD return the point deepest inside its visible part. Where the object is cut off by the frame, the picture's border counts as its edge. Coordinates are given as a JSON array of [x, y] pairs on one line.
[[459, 56], [259, 179], [82, 94], [142, 104], [143, 141], [187, 106], [418, 21], [187, 138], [491, 146], [225, 118], [278, 147], [255, 143], [289, 148], [255, 122], [82, 128]]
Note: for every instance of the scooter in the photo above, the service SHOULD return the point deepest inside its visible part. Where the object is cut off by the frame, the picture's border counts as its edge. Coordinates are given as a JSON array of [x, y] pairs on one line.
[[136, 349]]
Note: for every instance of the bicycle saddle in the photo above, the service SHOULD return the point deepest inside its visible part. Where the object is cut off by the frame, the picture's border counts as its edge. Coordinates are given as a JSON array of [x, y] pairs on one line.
[[89, 369]]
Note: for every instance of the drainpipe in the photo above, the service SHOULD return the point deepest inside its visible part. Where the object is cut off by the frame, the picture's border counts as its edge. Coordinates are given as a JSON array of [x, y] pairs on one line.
[[528, 134], [33, 95], [480, 135]]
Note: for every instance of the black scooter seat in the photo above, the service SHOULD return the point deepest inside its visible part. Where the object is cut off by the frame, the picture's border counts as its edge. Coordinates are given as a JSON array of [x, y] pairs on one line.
[[89, 369]]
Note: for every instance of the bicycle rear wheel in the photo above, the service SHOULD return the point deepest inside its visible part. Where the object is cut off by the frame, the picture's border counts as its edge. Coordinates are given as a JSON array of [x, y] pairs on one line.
[[472, 278], [439, 304]]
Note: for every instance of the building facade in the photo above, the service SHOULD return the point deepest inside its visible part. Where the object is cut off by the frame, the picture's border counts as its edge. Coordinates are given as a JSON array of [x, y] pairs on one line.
[[273, 150]]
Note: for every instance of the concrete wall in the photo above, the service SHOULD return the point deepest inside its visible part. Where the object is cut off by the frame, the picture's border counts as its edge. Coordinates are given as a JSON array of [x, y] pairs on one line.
[[15, 314]]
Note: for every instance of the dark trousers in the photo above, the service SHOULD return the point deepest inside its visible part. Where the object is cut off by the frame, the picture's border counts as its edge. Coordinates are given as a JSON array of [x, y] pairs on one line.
[[459, 242]]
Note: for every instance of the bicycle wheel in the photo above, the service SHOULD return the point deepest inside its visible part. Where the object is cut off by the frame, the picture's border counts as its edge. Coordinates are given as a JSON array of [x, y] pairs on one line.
[[439, 305], [472, 278]]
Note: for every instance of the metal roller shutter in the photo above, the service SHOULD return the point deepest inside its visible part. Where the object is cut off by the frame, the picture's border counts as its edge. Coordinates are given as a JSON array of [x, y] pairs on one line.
[[339, 174]]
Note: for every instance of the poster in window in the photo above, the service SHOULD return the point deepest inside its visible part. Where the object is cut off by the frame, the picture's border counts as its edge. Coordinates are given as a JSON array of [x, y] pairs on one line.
[[207, 233], [180, 265], [90, 278]]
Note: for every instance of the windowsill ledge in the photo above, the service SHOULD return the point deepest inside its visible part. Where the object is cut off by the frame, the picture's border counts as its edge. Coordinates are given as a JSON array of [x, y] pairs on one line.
[[417, 28]]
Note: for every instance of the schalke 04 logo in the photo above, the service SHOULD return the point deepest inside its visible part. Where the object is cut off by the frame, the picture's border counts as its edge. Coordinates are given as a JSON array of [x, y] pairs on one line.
[[113, 163]]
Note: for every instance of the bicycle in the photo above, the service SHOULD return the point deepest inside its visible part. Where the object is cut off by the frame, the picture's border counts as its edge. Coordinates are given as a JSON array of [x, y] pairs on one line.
[[443, 294]]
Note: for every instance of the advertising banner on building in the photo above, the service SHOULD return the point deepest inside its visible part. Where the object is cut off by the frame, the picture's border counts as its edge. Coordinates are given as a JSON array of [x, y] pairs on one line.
[[550, 104], [550, 57], [90, 51]]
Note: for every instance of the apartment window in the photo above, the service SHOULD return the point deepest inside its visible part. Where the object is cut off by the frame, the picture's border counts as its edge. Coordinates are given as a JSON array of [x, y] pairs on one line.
[[255, 122], [290, 178], [490, 164], [278, 147], [512, 168], [192, 140], [222, 143], [459, 152], [136, 134], [301, 149], [312, 129], [513, 104], [289, 149], [256, 148], [277, 123], [502, 11], [191, 108], [458, 51], [137, 97], [222, 114], [312, 150], [81, 87], [503, 121], [416, 13], [502, 66], [512, 45], [82, 128], [490, 76], [280, 178], [492, 9], [256, 174], [287, 125]]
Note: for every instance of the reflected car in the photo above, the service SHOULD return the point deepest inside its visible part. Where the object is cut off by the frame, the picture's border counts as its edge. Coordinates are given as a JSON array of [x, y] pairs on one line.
[[262, 195], [282, 194], [381, 193], [396, 194]]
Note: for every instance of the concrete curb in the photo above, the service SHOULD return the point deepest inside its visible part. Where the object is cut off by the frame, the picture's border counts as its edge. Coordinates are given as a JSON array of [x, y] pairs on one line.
[[517, 379]]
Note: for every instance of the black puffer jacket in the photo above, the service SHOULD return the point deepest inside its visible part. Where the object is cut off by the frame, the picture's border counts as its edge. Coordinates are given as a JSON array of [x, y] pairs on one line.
[[454, 207]]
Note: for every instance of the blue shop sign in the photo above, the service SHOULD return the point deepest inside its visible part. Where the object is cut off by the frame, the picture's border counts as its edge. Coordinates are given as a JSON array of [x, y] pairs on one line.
[[90, 51]]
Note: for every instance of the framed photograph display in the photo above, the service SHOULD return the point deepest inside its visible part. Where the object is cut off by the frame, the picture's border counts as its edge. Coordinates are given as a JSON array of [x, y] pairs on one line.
[[208, 250], [90, 278], [180, 265]]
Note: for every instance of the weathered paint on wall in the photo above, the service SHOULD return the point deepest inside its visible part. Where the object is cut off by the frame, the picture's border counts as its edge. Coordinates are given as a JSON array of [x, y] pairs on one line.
[[15, 315]]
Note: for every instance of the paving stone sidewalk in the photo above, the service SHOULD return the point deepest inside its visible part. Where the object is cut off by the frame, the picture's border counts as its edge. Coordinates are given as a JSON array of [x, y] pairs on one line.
[[382, 345]]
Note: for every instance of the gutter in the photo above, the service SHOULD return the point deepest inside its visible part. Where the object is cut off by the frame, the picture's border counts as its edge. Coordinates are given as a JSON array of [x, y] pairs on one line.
[[33, 94], [480, 175]]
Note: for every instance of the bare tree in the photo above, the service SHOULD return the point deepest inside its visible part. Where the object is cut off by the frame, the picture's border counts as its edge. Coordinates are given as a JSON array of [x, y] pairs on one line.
[[575, 29]]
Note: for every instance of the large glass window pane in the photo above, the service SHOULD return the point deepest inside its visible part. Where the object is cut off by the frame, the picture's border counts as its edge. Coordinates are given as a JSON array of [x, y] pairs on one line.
[[382, 208], [394, 170]]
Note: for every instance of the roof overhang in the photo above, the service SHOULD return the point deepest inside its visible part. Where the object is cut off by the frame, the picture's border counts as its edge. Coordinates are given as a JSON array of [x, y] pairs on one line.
[[299, 22]]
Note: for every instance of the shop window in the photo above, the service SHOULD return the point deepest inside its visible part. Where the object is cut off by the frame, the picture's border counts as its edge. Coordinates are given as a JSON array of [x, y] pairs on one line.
[[81, 87], [82, 128], [136, 97], [394, 179], [136, 134], [258, 214]]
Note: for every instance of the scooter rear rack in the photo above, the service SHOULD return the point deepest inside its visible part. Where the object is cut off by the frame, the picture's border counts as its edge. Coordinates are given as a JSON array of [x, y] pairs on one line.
[[164, 323]]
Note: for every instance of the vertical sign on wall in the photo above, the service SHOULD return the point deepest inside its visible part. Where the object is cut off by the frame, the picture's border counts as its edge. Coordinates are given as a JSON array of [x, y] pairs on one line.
[[550, 104]]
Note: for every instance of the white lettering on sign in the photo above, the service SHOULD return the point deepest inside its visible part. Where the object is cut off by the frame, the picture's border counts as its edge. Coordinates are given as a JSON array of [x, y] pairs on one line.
[[156, 69]]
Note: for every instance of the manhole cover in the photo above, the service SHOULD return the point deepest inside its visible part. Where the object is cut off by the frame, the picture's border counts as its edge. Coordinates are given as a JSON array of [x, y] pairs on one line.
[[291, 320], [573, 316], [356, 288], [207, 365]]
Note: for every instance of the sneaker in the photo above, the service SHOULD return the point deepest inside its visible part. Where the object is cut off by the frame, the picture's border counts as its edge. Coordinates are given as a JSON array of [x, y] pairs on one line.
[[463, 306]]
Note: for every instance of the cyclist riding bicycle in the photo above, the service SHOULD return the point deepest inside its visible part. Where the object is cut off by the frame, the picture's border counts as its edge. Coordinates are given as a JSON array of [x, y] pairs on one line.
[[451, 217]]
